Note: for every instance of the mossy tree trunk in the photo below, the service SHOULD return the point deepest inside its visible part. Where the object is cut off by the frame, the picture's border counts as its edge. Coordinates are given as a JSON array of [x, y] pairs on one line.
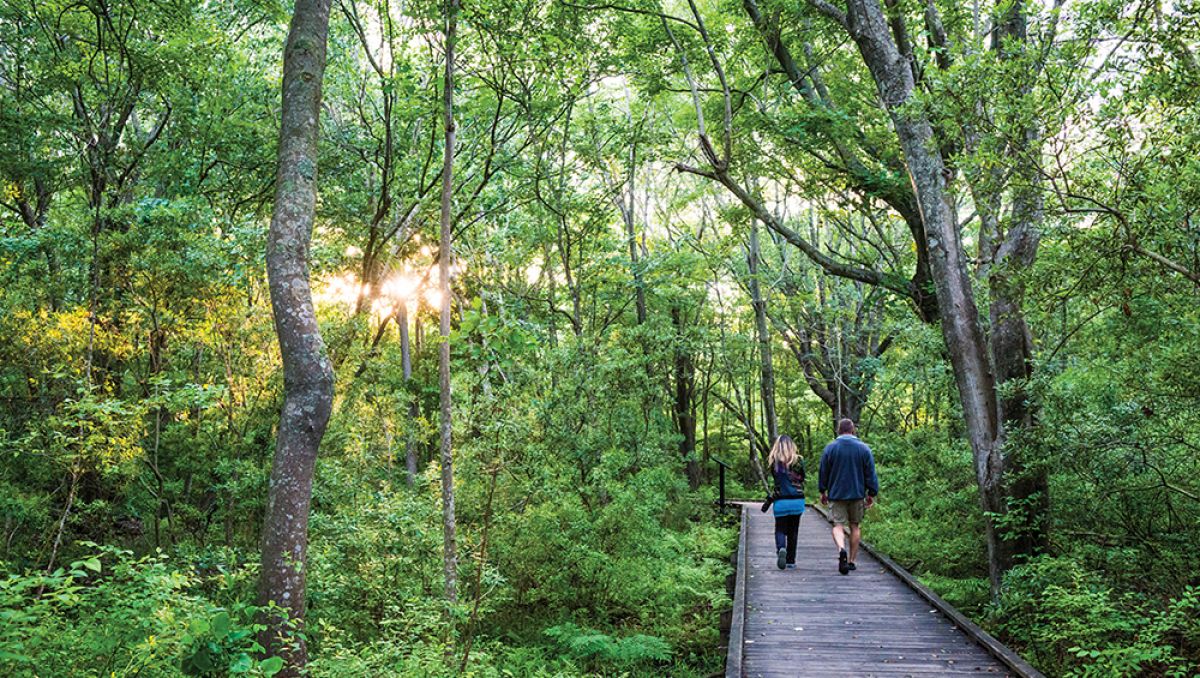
[[307, 373]]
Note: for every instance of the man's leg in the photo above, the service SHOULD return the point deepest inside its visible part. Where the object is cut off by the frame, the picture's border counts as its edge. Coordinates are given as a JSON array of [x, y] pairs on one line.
[[855, 513], [855, 538], [839, 537], [838, 511]]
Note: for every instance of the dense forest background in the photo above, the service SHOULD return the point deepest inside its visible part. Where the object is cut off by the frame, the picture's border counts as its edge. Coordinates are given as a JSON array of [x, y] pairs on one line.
[[679, 230]]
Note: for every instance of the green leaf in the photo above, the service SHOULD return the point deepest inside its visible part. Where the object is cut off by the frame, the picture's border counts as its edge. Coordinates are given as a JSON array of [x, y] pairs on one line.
[[242, 664], [272, 666], [220, 624]]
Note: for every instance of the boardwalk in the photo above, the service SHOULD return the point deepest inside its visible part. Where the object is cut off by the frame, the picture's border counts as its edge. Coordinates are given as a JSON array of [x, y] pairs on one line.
[[811, 621]]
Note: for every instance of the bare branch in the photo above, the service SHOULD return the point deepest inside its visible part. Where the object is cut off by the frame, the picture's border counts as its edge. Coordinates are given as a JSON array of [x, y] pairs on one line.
[[712, 57], [634, 10], [1166, 263], [830, 11], [831, 266]]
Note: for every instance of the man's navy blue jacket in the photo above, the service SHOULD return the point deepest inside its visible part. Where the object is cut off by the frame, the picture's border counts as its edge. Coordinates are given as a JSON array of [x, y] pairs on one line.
[[847, 470]]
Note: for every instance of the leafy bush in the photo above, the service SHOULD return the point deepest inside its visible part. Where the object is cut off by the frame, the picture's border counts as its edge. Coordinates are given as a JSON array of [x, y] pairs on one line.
[[111, 614], [597, 649], [1069, 622], [928, 517], [219, 648]]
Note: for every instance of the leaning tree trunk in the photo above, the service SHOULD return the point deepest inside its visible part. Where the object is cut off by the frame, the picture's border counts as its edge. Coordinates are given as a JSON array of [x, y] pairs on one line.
[[449, 554], [1012, 350], [767, 382], [957, 311], [863, 180], [307, 374]]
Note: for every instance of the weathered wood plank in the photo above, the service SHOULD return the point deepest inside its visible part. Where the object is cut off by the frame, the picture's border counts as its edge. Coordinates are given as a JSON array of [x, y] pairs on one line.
[[814, 621], [1010, 659]]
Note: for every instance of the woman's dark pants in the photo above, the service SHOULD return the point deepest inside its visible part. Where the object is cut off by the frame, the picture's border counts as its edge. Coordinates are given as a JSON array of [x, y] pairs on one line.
[[786, 529]]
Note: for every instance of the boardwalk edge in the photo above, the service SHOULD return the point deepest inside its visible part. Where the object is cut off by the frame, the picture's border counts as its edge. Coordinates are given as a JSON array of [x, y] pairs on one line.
[[737, 626], [994, 647]]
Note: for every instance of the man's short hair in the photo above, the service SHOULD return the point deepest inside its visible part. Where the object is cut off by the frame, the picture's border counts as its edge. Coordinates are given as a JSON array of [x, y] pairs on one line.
[[845, 426]]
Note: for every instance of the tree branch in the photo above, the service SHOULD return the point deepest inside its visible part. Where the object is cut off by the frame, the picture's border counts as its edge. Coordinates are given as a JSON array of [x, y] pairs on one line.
[[1166, 263], [830, 11]]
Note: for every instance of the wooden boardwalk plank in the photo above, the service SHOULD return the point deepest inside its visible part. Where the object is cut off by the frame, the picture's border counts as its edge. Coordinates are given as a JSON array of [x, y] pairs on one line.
[[813, 621]]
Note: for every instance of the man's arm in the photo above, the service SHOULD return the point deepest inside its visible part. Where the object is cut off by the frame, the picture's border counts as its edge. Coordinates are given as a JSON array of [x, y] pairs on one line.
[[823, 476], [871, 480], [823, 473]]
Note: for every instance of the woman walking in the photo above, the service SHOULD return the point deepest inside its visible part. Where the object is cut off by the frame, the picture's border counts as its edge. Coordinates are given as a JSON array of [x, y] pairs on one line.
[[789, 499]]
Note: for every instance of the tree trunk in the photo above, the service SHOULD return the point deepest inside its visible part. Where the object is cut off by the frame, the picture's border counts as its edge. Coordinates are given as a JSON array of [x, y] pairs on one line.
[[626, 203], [847, 406], [307, 375], [767, 382], [638, 284], [446, 254], [685, 395], [1011, 340], [958, 313], [410, 447]]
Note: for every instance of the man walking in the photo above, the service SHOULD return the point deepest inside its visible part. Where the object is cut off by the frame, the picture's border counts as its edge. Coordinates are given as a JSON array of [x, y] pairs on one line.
[[848, 484]]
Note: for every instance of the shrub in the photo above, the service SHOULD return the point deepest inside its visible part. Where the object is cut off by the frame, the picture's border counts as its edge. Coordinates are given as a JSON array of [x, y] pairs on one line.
[[598, 650], [111, 614], [1071, 623]]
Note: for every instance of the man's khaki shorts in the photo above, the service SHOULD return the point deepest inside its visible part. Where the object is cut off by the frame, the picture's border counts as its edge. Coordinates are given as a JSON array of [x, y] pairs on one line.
[[847, 512]]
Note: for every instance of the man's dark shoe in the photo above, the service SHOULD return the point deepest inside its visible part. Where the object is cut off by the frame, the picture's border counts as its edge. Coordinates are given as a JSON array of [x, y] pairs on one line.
[[843, 564], [852, 566], [781, 558]]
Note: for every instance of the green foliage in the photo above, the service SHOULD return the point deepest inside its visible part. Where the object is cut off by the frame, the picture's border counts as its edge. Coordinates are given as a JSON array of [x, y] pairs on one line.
[[598, 649], [215, 647], [1071, 623], [111, 613], [927, 518]]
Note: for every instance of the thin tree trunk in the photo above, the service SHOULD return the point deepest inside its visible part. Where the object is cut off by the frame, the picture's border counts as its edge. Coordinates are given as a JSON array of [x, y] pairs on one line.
[[56, 543], [445, 256], [685, 393], [638, 283], [767, 383], [704, 415], [479, 567], [410, 447], [626, 203], [552, 300], [307, 374], [418, 332]]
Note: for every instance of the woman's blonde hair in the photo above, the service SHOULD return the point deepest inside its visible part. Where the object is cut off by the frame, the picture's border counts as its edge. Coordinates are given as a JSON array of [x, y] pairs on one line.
[[783, 452]]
